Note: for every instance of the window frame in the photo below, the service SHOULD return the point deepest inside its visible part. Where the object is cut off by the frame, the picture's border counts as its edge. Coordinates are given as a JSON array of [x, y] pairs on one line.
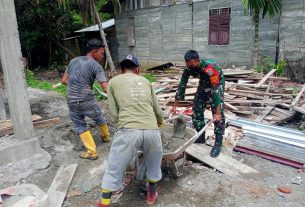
[[219, 25]]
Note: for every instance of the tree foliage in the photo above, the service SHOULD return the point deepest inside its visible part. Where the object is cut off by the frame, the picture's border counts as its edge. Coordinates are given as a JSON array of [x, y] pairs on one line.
[[270, 7], [85, 8], [43, 24]]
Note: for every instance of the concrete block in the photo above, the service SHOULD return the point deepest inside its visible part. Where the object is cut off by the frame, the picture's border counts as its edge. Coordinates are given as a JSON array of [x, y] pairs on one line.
[[16, 151]]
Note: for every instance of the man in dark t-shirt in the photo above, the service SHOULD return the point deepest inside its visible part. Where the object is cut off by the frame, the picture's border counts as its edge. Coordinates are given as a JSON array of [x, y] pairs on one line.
[[79, 77]]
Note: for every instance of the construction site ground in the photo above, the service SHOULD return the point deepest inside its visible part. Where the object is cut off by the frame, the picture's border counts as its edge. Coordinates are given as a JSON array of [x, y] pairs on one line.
[[199, 186]]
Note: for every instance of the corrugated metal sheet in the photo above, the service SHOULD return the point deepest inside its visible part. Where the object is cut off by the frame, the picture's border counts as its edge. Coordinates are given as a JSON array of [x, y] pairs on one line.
[[279, 144], [106, 25]]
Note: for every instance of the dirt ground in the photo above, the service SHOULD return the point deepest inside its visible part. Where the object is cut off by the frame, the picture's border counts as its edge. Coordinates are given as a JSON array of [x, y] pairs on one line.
[[199, 186]]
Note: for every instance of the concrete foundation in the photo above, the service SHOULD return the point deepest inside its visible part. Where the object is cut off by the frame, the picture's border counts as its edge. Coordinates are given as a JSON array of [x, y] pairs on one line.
[[18, 159]]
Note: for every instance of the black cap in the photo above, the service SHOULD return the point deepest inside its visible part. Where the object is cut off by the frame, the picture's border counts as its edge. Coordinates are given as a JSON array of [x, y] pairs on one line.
[[130, 59]]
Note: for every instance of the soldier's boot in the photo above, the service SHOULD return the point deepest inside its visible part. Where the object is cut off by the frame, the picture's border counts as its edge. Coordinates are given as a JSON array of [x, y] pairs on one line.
[[201, 139], [217, 146], [90, 146]]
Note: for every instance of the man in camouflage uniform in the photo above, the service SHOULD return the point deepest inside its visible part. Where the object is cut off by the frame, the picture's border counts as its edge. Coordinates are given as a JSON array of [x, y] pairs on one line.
[[210, 90]]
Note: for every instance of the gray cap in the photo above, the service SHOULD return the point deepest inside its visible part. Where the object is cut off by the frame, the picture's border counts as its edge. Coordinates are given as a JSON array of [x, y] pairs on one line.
[[130, 58]]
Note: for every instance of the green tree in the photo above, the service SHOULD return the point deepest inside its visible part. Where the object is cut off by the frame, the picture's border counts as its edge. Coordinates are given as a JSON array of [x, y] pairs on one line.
[[90, 14], [42, 24], [264, 7]]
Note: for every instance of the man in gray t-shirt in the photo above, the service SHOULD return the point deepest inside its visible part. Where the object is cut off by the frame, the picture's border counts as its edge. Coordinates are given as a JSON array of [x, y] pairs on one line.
[[79, 77]]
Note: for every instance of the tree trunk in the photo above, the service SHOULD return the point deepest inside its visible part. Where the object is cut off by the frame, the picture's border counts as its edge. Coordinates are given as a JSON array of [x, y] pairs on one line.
[[71, 54], [277, 48], [99, 23], [256, 37]]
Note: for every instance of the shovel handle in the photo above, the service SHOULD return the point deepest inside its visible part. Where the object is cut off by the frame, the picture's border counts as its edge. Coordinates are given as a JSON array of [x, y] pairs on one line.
[[204, 128]]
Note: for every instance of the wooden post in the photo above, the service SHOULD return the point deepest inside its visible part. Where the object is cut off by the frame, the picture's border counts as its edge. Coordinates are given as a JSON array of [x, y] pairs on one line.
[[10, 55], [102, 33]]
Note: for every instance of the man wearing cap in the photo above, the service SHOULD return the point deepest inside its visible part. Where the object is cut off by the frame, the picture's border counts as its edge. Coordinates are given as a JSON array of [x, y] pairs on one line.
[[79, 77], [134, 106], [210, 90]]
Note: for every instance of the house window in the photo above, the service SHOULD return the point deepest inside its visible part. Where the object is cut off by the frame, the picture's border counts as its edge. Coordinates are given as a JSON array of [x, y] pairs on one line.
[[219, 26]]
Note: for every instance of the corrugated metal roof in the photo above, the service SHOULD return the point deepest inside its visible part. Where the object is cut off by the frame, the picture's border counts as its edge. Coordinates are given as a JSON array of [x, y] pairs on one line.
[[106, 24]]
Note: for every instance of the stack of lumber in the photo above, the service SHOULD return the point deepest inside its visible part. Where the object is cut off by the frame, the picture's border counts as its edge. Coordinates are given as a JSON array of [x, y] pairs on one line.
[[6, 126], [255, 96]]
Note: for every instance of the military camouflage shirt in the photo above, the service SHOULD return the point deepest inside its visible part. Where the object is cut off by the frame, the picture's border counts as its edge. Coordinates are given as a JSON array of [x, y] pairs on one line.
[[204, 81]]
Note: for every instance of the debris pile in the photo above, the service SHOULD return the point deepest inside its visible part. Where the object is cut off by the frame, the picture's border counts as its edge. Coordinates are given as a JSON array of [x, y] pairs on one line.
[[248, 94], [253, 102]]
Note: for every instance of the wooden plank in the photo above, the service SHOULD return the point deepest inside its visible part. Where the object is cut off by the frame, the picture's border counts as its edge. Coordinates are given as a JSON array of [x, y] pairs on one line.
[[287, 112], [256, 92], [265, 78], [188, 91], [245, 113], [229, 72], [231, 107], [45, 123], [248, 95], [297, 98], [259, 101], [168, 100], [267, 110], [279, 114], [8, 123], [37, 125], [60, 185], [230, 84], [223, 163], [267, 91], [299, 109]]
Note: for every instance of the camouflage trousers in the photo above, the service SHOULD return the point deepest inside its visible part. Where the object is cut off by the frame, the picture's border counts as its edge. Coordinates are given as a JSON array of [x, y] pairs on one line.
[[202, 97]]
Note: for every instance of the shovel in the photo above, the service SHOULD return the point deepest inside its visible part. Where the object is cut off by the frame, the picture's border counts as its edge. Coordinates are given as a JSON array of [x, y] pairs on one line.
[[179, 127]]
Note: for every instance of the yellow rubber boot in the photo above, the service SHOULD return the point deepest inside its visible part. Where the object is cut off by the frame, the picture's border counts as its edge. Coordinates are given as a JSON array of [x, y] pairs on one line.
[[105, 132], [89, 143]]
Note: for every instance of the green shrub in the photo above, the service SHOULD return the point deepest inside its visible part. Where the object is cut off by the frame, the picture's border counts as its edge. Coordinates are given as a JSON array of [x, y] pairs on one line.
[[267, 64], [151, 78], [43, 85]]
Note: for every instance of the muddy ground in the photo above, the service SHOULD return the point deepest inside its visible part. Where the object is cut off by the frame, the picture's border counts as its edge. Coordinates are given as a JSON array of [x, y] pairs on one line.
[[200, 186]]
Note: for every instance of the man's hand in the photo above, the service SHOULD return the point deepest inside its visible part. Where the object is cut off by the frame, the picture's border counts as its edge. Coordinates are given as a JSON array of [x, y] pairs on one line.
[[161, 124], [104, 86], [174, 108], [65, 78], [217, 117]]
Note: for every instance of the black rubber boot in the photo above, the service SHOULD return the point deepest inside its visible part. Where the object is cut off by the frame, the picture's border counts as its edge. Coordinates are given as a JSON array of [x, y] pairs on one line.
[[217, 147], [201, 139]]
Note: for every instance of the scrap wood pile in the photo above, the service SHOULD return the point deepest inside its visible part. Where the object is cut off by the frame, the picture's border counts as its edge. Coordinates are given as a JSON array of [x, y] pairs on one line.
[[248, 94]]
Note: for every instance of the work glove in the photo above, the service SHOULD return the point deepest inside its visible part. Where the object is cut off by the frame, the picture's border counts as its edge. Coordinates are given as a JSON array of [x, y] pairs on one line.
[[162, 123]]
